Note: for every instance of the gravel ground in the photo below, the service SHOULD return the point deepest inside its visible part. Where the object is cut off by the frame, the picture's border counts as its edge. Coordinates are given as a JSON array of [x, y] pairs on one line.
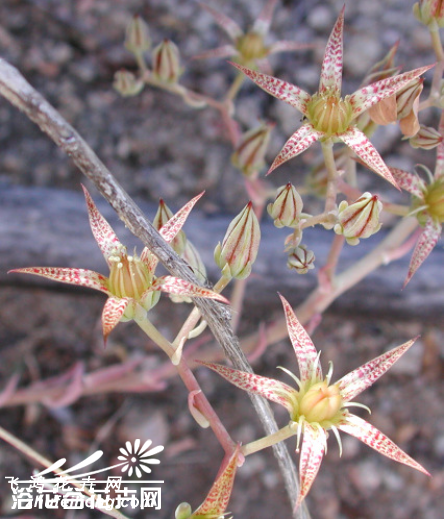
[[157, 146]]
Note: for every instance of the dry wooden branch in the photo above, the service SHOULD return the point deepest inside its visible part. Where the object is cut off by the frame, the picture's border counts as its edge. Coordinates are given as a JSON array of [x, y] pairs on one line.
[[21, 94]]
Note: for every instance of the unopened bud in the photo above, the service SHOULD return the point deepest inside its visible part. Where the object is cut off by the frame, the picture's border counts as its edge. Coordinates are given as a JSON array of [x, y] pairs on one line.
[[301, 259], [426, 138], [183, 511], [430, 13], [360, 219], [165, 62], [250, 152], [162, 216], [137, 39], [240, 245], [193, 258], [287, 207], [127, 84]]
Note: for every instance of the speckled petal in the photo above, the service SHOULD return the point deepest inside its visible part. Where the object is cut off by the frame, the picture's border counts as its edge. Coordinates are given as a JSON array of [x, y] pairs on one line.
[[102, 231], [287, 92], [332, 67], [358, 142], [273, 390], [370, 95], [264, 19], [303, 346], [375, 439], [229, 26], [361, 378], [288, 46], [302, 139], [424, 246], [217, 499], [113, 311], [407, 181], [80, 277], [312, 451], [180, 287]]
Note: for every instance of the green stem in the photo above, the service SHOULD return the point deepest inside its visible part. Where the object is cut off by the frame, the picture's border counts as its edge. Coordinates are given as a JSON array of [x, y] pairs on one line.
[[236, 85], [331, 192], [437, 45], [282, 434]]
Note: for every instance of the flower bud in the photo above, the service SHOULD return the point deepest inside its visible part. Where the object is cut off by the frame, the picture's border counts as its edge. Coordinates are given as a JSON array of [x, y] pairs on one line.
[[430, 13], [240, 245], [321, 402], [183, 511], [426, 138], [250, 152], [193, 258], [165, 62], [162, 216], [287, 207], [301, 259], [360, 219], [137, 39], [127, 84]]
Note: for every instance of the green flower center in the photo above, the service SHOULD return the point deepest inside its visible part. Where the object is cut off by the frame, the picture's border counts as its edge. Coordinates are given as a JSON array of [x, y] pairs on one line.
[[129, 276], [329, 114], [320, 403], [434, 200], [251, 47]]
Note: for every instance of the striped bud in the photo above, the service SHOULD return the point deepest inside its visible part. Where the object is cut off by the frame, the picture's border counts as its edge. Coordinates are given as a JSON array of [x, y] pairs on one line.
[[360, 219], [426, 138], [301, 259], [251, 150], [286, 209], [137, 39], [127, 84], [430, 13], [165, 62], [239, 248]]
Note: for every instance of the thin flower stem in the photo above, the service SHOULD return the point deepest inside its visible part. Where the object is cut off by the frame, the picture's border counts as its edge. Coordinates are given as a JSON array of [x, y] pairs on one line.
[[437, 45], [331, 193], [282, 434], [38, 458], [326, 274], [236, 85], [236, 301], [192, 385]]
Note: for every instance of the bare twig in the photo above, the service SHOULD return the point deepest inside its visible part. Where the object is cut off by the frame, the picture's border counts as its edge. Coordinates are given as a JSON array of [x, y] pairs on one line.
[[22, 95]]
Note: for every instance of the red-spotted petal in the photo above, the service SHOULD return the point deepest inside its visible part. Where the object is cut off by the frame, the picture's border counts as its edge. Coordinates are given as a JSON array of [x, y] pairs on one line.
[[217, 499], [375, 439], [332, 67], [269, 388], [180, 287], [407, 181], [287, 92], [102, 231], [304, 348], [370, 95], [358, 142], [289, 46], [424, 246], [361, 378], [231, 28], [262, 23], [225, 51], [312, 451], [302, 139], [80, 277], [169, 230], [113, 311]]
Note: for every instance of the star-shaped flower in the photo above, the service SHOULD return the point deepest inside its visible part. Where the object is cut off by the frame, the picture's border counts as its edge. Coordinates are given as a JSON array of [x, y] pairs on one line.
[[318, 406], [131, 287], [327, 115], [249, 48]]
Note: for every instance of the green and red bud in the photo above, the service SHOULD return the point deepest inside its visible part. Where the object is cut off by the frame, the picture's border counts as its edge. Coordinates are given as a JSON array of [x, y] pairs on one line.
[[166, 62], [126, 83], [360, 219], [137, 39], [301, 259], [251, 150], [426, 138], [162, 216], [238, 251], [286, 209], [430, 13]]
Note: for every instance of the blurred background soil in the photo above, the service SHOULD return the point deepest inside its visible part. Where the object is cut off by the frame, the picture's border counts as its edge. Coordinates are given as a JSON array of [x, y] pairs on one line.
[[156, 146]]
